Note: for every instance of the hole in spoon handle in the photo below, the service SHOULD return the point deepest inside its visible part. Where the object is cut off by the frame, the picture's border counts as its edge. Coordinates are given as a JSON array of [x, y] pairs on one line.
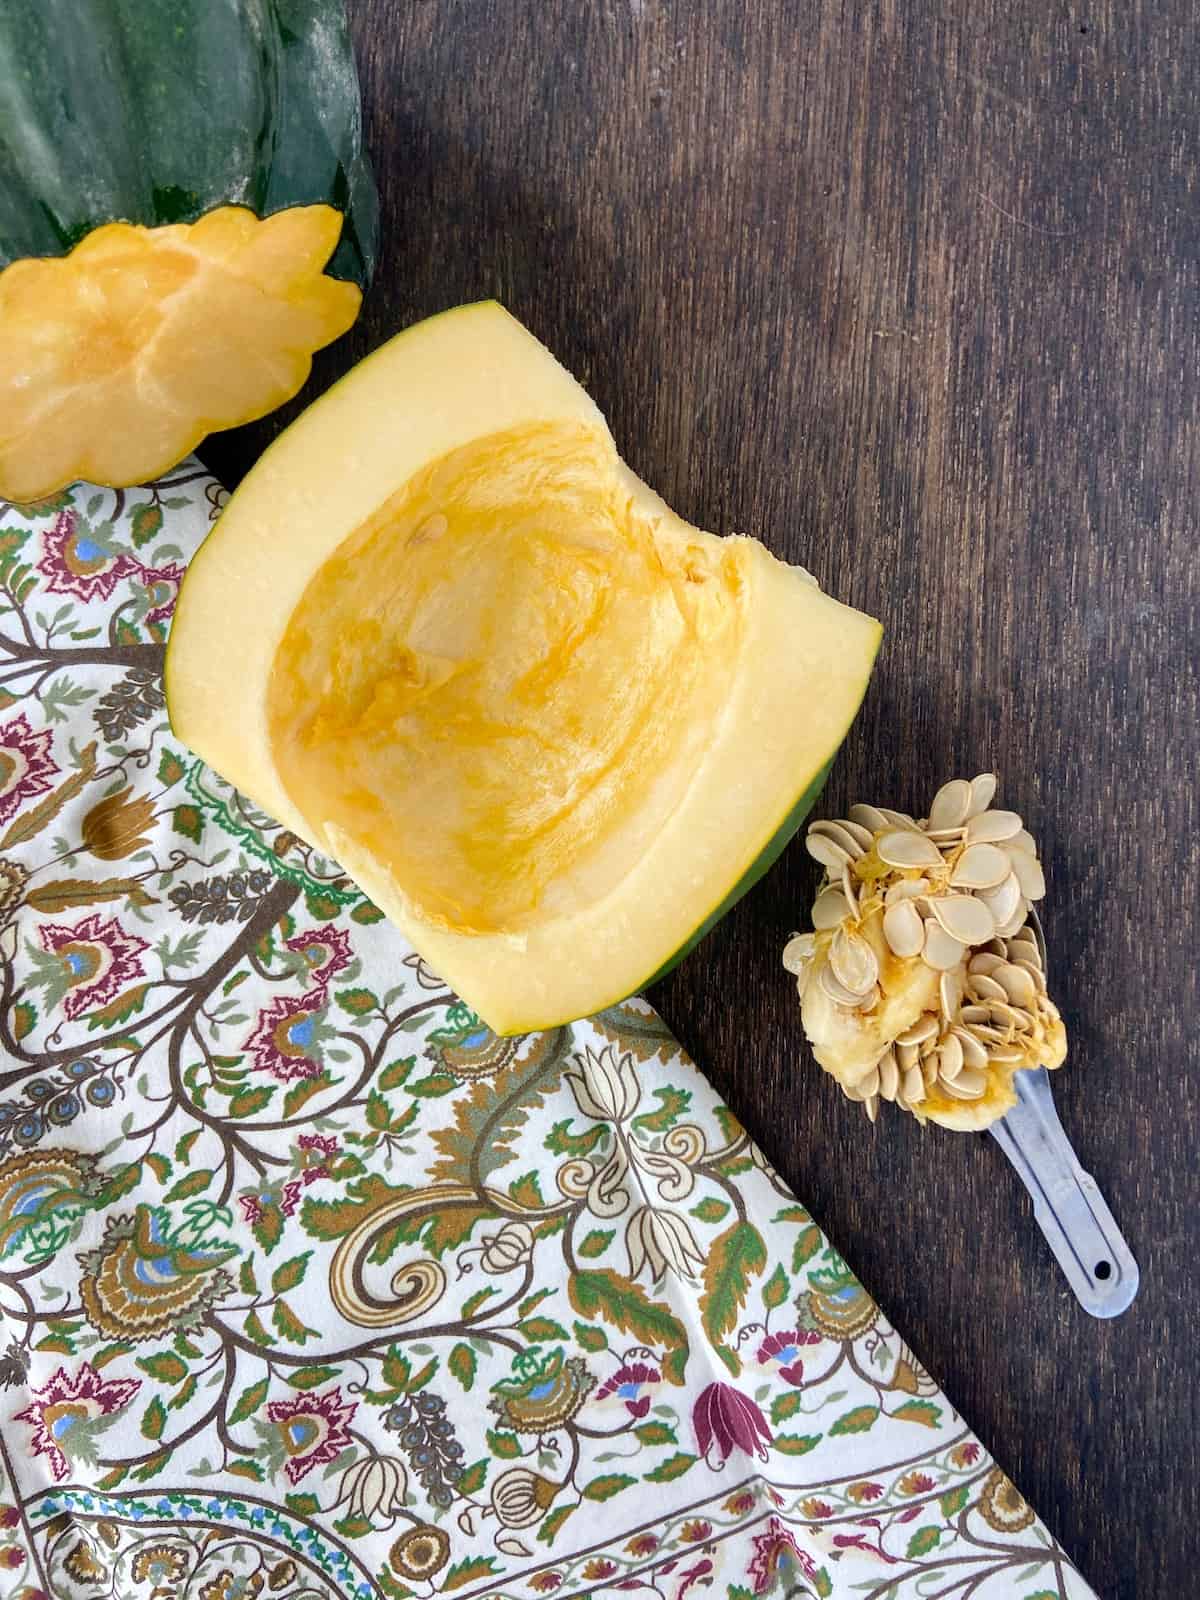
[[1067, 1203]]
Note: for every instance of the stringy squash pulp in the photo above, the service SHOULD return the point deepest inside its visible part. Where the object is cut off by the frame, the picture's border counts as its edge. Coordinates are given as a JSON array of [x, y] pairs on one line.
[[549, 727]]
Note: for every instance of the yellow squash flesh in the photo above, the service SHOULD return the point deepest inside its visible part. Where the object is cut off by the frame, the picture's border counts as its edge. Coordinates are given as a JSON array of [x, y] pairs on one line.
[[442, 633]]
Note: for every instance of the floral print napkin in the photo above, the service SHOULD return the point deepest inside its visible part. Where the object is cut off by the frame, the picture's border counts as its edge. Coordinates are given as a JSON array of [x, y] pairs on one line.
[[312, 1287]]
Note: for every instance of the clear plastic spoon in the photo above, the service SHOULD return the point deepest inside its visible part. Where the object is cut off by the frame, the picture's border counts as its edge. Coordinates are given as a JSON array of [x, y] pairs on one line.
[[1067, 1203]]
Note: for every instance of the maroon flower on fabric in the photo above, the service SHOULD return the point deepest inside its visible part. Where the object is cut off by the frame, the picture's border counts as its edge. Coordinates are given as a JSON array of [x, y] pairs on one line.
[[785, 1349], [99, 958], [773, 1552], [543, 1582], [915, 1483], [642, 1544], [26, 765], [725, 1421], [598, 1567], [326, 952], [162, 585], [863, 1493], [70, 1401], [326, 1146], [75, 562], [626, 1385], [695, 1531], [284, 1041], [313, 1429]]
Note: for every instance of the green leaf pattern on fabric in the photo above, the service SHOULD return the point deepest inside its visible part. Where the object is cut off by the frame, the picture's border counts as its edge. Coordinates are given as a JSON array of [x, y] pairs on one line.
[[312, 1286]]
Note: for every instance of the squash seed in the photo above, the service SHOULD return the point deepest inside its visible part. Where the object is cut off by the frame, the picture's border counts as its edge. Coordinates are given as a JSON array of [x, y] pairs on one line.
[[901, 849], [983, 790], [1007, 929], [852, 901], [950, 994], [1022, 840], [914, 1086], [993, 827], [950, 1058], [869, 817], [981, 866], [980, 986], [1018, 985], [971, 1084], [951, 805], [964, 918], [990, 1036], [1036, 975], [829, 910], [871, 1107], [824, 850], [974, 1054], [1028, 872], [853, 962], [852, 999], [1003, 901], [901, 819], [903, 929], [975, 1013], [1005, 1055], [839, 835], [799, 950], [942, 951], [1006, 1016], [984, 962], [856, 830], [907, 1055], [889, 1076], [925, 1027]]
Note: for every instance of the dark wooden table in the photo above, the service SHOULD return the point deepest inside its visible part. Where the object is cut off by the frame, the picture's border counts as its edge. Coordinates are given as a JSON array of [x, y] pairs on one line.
[[910, 292]]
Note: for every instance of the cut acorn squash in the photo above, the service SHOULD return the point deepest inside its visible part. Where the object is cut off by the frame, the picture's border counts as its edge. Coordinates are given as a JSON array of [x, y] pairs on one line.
[[552, 730], [173, 180]]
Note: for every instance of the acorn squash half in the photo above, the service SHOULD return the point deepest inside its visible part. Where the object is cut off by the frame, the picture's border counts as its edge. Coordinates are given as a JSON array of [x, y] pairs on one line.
[[445, 635]]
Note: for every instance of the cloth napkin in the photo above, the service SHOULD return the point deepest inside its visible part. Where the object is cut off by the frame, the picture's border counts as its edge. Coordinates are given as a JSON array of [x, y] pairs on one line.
[[311, 1286]]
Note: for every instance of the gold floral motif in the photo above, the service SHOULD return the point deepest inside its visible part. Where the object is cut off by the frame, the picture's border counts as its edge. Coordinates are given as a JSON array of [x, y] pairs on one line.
[[117, 825]]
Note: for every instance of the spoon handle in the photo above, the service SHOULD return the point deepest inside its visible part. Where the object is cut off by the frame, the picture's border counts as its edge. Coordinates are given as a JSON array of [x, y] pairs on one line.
[[1067, 1202]]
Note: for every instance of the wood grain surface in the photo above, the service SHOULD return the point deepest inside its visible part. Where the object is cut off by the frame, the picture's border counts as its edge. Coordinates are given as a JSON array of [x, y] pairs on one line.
[[910, 293]]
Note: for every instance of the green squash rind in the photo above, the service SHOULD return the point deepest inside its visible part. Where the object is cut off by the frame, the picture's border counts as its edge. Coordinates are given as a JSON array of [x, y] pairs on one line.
[[158, 111], [763, 862]]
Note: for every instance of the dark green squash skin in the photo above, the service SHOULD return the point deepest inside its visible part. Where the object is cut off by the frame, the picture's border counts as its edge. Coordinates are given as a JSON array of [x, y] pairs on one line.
[[766, 858], [157, 111]]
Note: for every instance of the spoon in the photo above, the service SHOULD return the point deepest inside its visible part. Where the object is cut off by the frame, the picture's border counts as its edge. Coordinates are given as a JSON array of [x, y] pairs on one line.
[[1067, 1203]]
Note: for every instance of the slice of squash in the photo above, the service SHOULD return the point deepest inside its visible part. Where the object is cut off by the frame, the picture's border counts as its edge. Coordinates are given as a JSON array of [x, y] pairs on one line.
[[117, 359], [445, 635], [174, 180]]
